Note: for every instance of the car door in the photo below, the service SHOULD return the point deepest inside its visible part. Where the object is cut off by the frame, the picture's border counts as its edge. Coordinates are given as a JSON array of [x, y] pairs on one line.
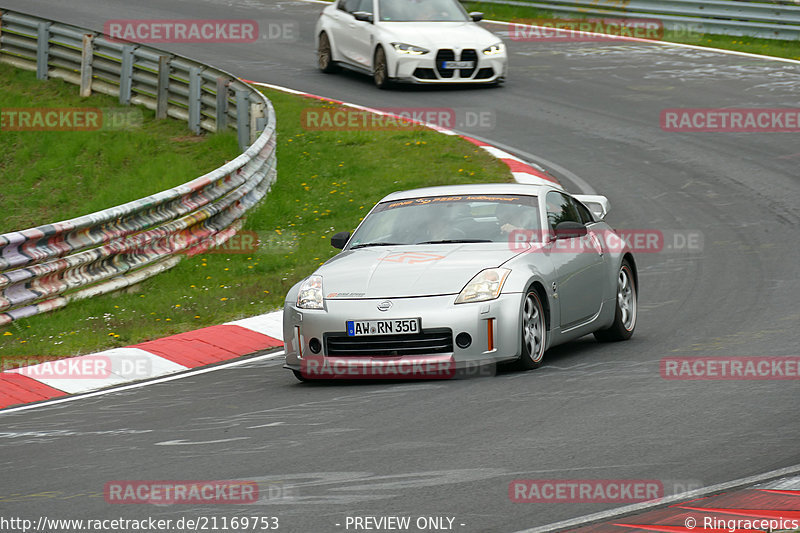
[[579, 263], [350, 34], [362, 36]]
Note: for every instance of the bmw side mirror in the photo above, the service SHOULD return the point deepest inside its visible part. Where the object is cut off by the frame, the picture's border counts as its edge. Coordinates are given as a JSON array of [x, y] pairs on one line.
[[569, 229], [340, 239], [476, 16], [363, 16]]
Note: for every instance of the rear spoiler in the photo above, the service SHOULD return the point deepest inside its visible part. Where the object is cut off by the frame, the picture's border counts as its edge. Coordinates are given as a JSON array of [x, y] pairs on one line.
[[597, 204]]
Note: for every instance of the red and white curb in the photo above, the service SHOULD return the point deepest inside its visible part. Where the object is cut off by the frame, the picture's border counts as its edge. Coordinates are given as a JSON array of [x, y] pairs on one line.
[[193, 349], [151, 359]]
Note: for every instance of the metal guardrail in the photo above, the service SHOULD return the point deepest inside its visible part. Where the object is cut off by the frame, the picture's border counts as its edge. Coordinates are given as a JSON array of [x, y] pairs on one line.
[[721, 17], [46, 267]]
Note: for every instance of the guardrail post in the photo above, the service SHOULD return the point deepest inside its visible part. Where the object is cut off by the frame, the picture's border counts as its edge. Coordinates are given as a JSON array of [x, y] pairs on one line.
[[194, 99], [162, 90], [222, 103], [256, 121], [87, 56], [243, 118], [42, 50], [126, 75]]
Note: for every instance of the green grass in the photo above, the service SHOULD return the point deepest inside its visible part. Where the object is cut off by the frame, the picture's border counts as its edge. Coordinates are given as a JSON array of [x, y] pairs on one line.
[[327, 181], [752, 45], [48, 176]]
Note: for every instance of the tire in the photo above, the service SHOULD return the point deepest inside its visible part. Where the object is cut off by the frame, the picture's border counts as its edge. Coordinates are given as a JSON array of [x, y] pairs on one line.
[[534, 331], [380, 70], [626, 308], [325, 56]]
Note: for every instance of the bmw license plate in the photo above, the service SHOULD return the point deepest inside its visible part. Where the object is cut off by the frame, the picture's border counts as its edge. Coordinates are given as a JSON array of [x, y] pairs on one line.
[[450, 65], [401, 326]]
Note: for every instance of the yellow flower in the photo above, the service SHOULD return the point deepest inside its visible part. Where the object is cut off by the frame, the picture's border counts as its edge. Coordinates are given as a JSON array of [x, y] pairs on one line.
[[222, 299], [7, 333]]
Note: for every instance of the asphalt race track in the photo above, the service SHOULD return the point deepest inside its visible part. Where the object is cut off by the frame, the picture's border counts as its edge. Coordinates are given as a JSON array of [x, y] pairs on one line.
[[450, 449]]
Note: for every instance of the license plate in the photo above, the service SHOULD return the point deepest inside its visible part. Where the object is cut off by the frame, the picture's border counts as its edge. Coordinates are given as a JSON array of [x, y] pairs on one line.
[[401, 326], [450, 65]]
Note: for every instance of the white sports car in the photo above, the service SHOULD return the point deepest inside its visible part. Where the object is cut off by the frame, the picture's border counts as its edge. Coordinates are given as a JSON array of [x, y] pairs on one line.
[[414, 41]]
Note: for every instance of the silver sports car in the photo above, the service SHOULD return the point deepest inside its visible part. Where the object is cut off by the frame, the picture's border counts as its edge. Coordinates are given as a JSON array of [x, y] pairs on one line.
[[443, 278]]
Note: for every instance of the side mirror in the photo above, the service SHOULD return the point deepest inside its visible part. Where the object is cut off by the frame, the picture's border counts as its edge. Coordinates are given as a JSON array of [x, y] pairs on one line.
[[340, 239], [476, 16], [597, 204], [363, 16], [570, 229]]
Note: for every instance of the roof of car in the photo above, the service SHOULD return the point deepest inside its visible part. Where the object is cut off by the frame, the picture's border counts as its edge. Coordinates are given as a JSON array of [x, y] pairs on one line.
[[477, 188]]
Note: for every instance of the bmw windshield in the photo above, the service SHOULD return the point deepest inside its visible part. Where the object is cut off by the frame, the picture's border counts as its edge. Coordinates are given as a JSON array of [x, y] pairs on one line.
[[421, 11], [448, 219]]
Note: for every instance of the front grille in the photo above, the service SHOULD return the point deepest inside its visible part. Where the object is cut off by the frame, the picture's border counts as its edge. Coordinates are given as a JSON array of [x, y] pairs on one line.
[[441, 56], [431, 341], [469, 55], [485, 73], [424, 73]]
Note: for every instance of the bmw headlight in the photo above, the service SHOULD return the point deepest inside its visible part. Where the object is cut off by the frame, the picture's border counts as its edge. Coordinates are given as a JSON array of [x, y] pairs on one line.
[[493, 50], [409, 49], [486, 285], [310, 295]]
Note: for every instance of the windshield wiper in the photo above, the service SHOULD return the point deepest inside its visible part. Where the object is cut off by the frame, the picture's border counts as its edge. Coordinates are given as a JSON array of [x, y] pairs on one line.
[[366, 244], [451, 241]]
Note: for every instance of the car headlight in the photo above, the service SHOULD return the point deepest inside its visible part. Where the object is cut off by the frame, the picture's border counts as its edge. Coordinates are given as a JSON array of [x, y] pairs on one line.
[[409, 49], [493, 50], [310, 294], [486, 285]]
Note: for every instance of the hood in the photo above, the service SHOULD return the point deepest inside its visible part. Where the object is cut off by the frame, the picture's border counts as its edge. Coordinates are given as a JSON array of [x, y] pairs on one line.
[[436, 35], [405, 271]]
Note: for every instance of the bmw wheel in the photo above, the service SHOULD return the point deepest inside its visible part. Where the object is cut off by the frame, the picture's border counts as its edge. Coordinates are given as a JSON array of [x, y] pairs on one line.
[[325, 56], [626, 307], [380, 72]]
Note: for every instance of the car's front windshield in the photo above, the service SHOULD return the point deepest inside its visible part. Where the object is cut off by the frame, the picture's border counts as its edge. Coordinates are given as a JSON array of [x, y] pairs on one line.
[[421, 11], [450, 219]]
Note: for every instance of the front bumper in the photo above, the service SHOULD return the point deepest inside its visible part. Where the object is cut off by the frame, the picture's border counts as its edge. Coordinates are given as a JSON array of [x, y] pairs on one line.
[[428, 68], [494, 329]]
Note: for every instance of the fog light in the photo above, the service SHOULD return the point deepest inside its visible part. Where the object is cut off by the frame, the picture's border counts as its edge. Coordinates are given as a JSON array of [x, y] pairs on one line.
[[463, 340], [314, 345]]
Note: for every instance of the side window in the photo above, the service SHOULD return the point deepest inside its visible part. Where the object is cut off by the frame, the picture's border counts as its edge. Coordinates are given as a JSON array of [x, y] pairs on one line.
[[366, 6], [561, 208], [351, 6], [586, 215]]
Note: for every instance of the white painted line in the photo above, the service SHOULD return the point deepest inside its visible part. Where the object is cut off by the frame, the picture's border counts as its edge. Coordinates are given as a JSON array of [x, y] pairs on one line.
[[269, 324], [636, 507], [139, 385]]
